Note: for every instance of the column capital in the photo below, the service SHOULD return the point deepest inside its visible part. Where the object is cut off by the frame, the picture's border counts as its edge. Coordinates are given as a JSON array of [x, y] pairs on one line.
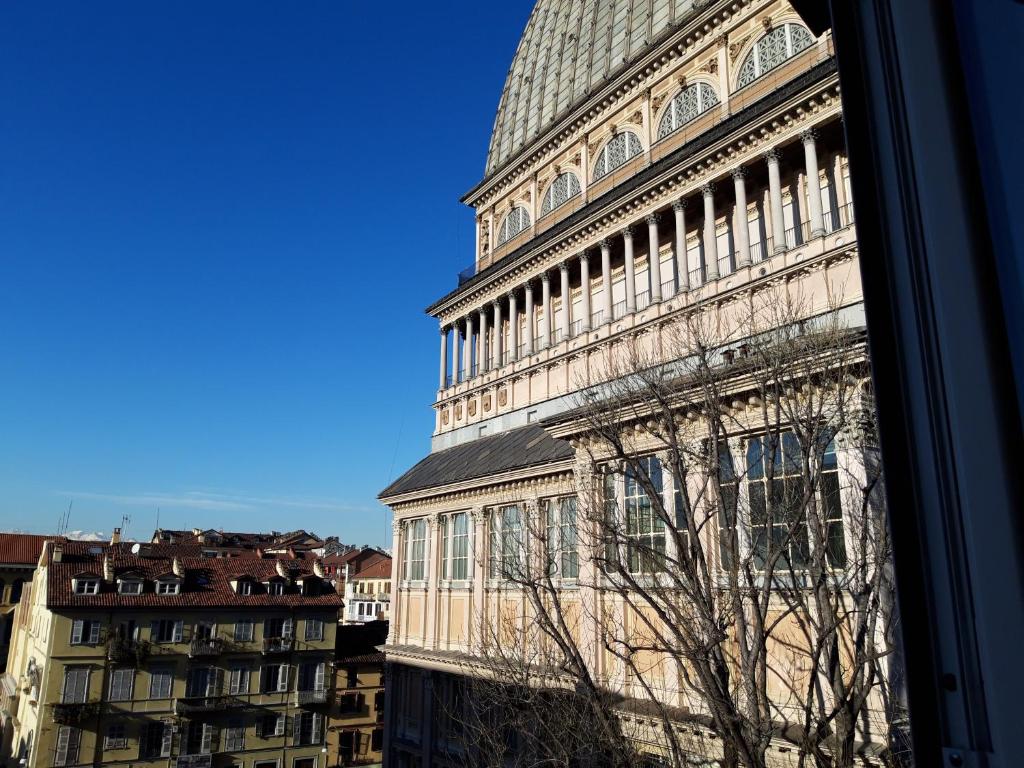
[[434, 519], [627, 231], [495, 303], [396, 527], [707, 189], [477, 514], [545, 277], [740, 172], [652, 218], [809, 135], [444, 330], [679, 205], [528, 286], [564, 266], [511, 295], [772, 155], [606, 244], [584, 257]]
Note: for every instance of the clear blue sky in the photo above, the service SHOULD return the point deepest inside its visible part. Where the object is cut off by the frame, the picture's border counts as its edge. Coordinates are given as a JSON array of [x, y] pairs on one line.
[[219, 225]]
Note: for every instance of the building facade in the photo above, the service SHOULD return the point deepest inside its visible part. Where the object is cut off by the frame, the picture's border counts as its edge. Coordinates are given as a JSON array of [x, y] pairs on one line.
[[355, 724], [19, 554], [368, 593], [649, 161], [124, 654]]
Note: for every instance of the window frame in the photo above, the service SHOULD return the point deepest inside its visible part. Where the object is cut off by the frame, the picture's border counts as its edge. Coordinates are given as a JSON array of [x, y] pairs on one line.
[[414, 566], [599, 171], [548, 204], [671, 109], [754, 52], [556, 549], [507, 542], [505, 233]]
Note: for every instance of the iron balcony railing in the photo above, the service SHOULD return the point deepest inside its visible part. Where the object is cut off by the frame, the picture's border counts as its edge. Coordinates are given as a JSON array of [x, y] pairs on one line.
[[643, 301], [310, 697], [205, 646], [597, 318], [195, 705], [278, 644], [618, 310], [575, 328]]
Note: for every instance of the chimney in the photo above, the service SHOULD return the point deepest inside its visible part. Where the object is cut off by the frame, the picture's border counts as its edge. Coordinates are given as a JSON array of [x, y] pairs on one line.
[[115, 537], [58, 553], [108, 569]]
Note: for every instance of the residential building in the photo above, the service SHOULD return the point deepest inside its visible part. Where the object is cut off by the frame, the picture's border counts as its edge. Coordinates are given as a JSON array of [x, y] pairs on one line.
[[19, 554], [349, 563], [355, 721], [215, 543], [649, 160], [368, 593], [124, 656]]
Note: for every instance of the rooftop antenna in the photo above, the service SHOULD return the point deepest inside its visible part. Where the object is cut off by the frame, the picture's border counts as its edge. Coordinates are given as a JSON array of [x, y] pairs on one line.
[[65, 521], [158, 518], [125, 521]]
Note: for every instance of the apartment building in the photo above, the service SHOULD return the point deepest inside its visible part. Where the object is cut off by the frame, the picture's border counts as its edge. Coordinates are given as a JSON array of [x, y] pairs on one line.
[[129, 654], [368, 593], [19, 553], [356, 717]]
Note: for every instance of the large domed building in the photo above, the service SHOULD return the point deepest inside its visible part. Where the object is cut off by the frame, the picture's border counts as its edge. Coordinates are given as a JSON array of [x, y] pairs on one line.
[[649, 159]]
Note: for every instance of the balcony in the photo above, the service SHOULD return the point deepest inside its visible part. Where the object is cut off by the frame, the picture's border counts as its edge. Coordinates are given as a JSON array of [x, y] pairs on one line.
[[73, 713], [205, 646], [310, 698], [125, 651], [197, 705], [278, 644], [193, 761]]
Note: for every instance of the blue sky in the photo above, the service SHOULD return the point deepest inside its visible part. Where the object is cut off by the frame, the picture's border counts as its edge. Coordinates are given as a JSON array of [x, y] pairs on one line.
[[219, 225]]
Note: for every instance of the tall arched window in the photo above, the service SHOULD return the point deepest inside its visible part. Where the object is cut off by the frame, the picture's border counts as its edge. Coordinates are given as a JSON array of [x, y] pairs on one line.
[[690, 102], [622, 148], [564, 188], [771, 50], [518, 219]]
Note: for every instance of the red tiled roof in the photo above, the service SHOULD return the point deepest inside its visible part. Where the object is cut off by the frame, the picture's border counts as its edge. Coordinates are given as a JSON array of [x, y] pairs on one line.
[[206, 584], [379, 569], [21, 548]]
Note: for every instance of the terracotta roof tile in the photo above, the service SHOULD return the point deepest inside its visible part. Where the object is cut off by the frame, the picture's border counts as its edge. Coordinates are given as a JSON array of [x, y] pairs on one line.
[[21, 548], [380, 569], [206, 583]]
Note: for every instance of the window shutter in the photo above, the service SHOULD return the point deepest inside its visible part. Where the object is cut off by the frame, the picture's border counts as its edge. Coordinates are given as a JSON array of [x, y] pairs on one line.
[[166, 739], [207, 743], [286, 630], [94, 632], [319, 682], [60, 756], [281, 725], [317, 727], [286, 725], [154, 631], [178, 630], [76, 631], [282, 678]]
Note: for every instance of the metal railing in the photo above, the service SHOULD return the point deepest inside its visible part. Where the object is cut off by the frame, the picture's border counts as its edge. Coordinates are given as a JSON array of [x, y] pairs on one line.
[[643, 301], [205, 646], [618, 309], [668, 288], [697, 277], [315, 696], [556, 335], [597, 318], [575, 328], [198, 704], [278, 644]]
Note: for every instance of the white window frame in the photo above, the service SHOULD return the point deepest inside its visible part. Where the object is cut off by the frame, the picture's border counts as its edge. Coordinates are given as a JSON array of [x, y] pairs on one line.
[[122, 684], [85, 632], [129, 587], [168, 587], [69, 742], [87, 586], [115, 741], [234, 736], [238, 679], [415, 564], [507, 541], [161, 682], [558, 532], [243, 632], [314, 629], [77, 695]]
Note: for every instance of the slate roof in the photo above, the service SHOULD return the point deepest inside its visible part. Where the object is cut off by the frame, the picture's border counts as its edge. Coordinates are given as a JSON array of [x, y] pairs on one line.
[[516, 449], [21, 548], [206, 583]]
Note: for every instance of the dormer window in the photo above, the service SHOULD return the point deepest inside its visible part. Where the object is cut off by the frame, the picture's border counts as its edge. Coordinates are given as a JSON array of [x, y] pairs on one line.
[[87, 585], [129, 587], [168, 587], [275, 588], [245, 587]]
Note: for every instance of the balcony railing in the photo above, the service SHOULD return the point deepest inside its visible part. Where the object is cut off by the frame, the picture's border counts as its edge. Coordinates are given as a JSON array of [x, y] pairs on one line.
[[206, 646], [194, 705], [309, 698], [122, 651], [618, 309], [278, 644], [575, 328], [643, 301], [73, 713], [597, 319], [696, 277]]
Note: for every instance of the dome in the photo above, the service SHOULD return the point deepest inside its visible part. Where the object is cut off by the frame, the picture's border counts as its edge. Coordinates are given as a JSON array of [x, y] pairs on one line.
[[569, 48]]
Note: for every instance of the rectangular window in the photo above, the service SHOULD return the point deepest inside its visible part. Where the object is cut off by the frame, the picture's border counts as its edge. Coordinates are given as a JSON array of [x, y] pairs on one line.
[[308, 728], [68, 741], [727, 502], [377, 740], [460, 546], [130, 587], [160, 681], [275, 678], [352, 676], [167, 631], [311, 676], [416, 550], [168, 587], [314, 629], [85, 632], [87, 586], [234, 736], [238, 680], [203, 682], [76, 685], [563, 558], [508, 548], [446, 532], [115, 737], [272, 725], [156, 740], [122, 681], [645, 527], [243, 631], [275, 629]]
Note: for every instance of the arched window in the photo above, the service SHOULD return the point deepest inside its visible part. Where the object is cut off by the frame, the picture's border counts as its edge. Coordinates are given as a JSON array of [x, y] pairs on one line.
[[690, 102], [518, 219], [622, 148], [774, 48], [564, 188]]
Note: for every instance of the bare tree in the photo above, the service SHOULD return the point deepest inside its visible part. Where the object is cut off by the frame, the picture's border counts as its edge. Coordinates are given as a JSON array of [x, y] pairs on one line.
[[733, 549]]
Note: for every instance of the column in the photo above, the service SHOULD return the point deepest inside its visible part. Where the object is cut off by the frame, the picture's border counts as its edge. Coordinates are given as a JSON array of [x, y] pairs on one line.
[[585, 284], [481, 353], [496, 351], [432, 568], [627, 235], [710, 240], [682, 263], [741, 235], [457, 353], [531, 321], [444, 358], [395, 636], [467, 351], [654, 257], [606, 278], [775, 196], [479, 517], [545, 284], [563, 268], [513, 327], [813, 182]]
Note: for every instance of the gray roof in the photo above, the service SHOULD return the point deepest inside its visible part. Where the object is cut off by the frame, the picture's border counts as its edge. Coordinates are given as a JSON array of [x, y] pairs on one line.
[[569, 48], [516, 449]]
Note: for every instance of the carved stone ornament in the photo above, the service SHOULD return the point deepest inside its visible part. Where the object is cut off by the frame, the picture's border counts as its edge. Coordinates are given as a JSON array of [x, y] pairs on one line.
[[636, 117], [472, 408], [712, 66], [735, 48], [445, 417], [487, 402], [766, 22], [458, 411], [592, 148], [502, 397], [657, 101]]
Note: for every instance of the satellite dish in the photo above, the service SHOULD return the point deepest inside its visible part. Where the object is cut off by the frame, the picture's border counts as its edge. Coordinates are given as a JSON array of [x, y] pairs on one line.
[[136, 548]]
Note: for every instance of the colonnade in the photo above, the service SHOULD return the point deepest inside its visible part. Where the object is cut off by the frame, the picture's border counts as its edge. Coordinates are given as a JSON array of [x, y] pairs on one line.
[[478, 351]]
